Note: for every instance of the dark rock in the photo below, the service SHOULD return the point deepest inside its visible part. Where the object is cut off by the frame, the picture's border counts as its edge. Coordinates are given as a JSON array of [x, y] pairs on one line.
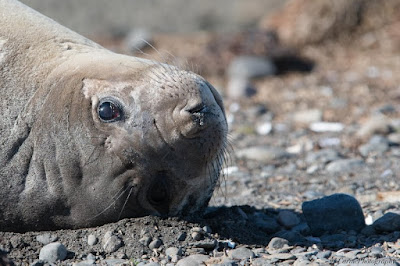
[[389, 222], [332, 213]]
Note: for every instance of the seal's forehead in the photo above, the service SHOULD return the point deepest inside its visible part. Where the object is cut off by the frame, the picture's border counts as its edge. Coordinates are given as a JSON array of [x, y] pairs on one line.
[[92, 87]]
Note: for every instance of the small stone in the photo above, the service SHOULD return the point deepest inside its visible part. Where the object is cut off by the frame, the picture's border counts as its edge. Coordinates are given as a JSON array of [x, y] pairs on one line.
[[53, 252], [278, 243], [377, 144], [345, 165], [35, 263], [206, 244], [207, 229], [193, 260], [326, 127], [111, 242], [288, 219], [307, 117], [322, 156], [368, 230], [338, 211], [92, 240], [196, 236], [281, 256], [259, 262], [329, 142], [377, 252], [156, 243], [377, 124], [173, 251], [145, 240], [250, 67], [389, 222], [324, 254], [46, 238], [268, 225], [265, 154], [241, 253], [240, 87], [394, 138], [264, 128], [182, 236], [117, 262]]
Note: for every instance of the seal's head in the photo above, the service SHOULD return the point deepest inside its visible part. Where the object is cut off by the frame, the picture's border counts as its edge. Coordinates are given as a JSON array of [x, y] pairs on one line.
[[130, 138]]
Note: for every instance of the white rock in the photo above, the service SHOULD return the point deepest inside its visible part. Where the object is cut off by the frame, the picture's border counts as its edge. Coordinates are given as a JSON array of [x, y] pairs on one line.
[[326, 127], [53, 252]]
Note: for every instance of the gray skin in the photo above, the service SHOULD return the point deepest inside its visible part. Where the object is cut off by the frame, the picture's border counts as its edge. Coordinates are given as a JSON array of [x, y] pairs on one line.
[[63, 166]]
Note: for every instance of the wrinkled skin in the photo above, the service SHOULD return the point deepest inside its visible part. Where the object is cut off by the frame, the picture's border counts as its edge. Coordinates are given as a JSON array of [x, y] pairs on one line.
[[63, 166]]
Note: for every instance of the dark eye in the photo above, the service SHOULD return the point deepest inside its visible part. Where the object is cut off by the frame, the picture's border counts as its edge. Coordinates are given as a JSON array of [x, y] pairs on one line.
[[109, 112]]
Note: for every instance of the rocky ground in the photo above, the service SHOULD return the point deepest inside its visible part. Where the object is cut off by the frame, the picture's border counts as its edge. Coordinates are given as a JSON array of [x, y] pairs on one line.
[[312, 176]]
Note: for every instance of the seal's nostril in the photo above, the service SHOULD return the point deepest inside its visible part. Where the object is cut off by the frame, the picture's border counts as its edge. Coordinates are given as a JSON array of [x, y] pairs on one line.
[[200, 108]]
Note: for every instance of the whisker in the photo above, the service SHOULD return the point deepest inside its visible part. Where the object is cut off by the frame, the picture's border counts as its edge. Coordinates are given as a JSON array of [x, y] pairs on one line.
[[109, 206], [123, 206]]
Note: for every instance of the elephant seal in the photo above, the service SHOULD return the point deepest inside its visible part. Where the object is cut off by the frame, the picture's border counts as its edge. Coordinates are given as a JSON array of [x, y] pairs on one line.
[[89, 136]]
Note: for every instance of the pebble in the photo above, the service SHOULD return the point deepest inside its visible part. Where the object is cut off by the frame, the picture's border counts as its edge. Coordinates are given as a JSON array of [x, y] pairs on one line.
[[111, 242], [264, 128], [377, 144], [173, 251], [264, 154], [268, 225], [331, 213], [193, 260], [156, 243], [206, 244], [307, 117], [181, 236], [329, 142], [324, 254], [288, 219], [46, 238], [145, 240], [394, 138], [345, 165], [197, 236], [321, 127], [260, 262], [240, 87], [241, 253], [92, 240], [250, 67], [53, 252], [278, 243], [377, 124], [281, 256], [389, 222], [322, 156]]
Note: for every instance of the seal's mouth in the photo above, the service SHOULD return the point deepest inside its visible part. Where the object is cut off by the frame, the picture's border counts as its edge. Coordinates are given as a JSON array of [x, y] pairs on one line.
[[158, 193]]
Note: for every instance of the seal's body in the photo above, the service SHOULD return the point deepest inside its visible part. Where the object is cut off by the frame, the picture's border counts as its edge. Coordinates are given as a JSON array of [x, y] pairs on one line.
[[89, 136]]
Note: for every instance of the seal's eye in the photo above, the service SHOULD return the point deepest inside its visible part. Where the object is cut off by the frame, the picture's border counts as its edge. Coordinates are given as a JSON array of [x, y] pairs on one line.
[[109, 112]]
